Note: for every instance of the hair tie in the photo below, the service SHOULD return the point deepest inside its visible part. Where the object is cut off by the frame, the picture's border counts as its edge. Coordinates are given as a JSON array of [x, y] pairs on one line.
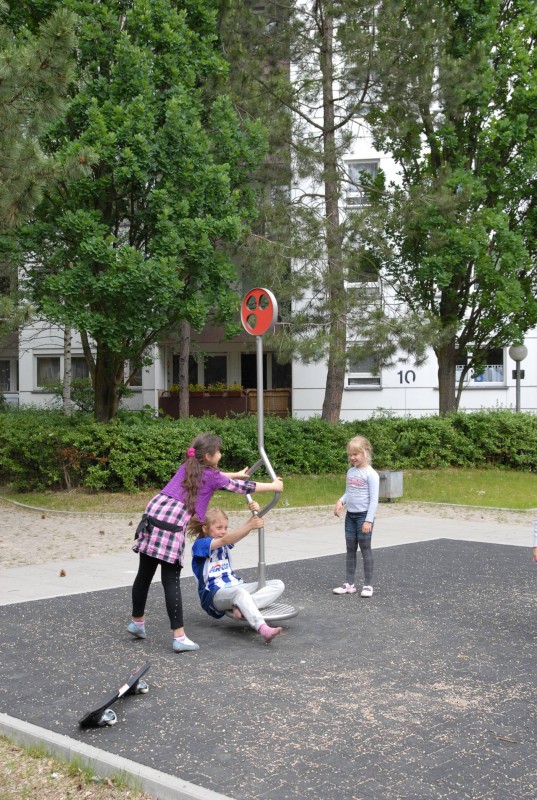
[[191, 452]]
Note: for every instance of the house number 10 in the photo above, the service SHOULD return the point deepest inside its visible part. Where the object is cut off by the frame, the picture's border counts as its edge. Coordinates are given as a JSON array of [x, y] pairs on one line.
[[407, 377]]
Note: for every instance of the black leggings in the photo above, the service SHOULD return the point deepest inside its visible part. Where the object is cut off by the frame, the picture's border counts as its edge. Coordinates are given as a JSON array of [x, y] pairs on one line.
[[170, 575]]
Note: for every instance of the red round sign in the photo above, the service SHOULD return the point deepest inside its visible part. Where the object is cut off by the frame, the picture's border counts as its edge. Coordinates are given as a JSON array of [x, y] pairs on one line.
[[259, 311]]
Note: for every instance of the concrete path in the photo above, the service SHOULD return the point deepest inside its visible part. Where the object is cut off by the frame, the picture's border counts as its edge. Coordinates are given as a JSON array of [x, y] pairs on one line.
[[43, 580]]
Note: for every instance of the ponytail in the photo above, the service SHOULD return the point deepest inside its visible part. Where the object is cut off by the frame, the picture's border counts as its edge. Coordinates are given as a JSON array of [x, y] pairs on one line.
[[204, 443]]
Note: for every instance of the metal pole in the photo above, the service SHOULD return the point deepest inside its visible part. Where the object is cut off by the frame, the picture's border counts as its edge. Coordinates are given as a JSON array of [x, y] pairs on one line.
[[517, 378], [261, 571]]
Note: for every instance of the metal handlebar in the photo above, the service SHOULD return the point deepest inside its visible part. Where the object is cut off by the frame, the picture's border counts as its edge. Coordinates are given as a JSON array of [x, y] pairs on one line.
[[264, 461]]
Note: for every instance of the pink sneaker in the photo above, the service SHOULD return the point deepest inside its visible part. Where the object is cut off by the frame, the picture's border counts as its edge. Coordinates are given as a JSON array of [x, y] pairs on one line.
[[347, 588]]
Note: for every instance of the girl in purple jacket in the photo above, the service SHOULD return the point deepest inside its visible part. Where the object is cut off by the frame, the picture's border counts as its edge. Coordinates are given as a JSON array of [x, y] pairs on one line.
[[160, 537]]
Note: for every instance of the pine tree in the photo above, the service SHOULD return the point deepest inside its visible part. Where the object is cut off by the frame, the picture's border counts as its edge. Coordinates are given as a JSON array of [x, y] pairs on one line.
[[36, 66], [308, 69], [35, 72]]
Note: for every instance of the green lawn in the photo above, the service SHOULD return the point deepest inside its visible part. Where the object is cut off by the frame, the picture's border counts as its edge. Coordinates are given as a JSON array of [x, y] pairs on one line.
[[492, 488]]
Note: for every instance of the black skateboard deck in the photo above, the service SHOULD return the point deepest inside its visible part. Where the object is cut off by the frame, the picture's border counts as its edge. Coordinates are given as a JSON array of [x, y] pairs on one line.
[[102, 714]]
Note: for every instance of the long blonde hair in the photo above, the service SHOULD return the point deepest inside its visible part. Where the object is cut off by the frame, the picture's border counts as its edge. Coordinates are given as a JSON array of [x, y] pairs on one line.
[[195, 528]]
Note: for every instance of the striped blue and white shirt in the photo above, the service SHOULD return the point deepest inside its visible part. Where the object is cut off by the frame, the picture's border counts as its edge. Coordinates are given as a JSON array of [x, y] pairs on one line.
[[213, 571]]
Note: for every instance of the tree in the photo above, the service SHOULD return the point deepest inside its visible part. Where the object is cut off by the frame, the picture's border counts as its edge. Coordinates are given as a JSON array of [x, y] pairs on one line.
[[138, 245], [311, 67], [36, 66], [35, 72], [457, 95]]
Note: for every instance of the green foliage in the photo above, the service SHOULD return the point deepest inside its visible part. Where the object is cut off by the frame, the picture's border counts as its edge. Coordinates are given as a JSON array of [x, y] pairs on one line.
[[36, 69], [81, 393], [305, 247], [43, 449], [137, 245], [456, 232]]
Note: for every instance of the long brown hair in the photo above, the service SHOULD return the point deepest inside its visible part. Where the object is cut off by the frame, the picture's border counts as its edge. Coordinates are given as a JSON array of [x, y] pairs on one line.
[[203, 444]]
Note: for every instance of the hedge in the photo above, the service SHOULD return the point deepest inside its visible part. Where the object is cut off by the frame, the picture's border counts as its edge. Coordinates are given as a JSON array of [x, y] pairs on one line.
[[45, 450]]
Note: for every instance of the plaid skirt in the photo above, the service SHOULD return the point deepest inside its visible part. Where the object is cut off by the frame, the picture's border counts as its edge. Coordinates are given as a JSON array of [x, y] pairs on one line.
[[157, 542]]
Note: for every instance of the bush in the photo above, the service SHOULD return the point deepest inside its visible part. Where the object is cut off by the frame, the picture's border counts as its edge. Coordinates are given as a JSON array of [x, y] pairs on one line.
[[43, 449]]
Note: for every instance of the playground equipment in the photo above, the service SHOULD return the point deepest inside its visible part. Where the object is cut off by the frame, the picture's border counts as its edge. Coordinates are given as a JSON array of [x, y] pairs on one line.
[[259, 312]]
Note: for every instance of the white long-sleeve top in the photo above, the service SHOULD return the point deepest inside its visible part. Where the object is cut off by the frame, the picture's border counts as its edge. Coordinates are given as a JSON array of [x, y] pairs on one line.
[[362, 491], [535, 533]]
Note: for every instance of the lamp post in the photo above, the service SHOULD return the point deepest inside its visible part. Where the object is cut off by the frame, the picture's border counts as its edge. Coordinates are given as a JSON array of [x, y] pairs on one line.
[[518, 353]]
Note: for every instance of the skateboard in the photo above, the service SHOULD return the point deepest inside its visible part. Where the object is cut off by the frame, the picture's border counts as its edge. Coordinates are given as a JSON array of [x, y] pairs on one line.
[[102, 714]]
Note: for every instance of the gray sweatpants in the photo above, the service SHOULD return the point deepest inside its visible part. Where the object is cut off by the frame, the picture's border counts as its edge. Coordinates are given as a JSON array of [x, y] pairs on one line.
[[249, 599]]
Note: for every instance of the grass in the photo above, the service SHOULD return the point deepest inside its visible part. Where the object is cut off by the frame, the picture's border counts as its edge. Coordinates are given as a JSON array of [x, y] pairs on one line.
[[29, 772], [490, 488]]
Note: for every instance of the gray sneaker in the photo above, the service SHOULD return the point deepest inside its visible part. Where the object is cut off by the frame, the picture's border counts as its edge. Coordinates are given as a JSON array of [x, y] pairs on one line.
[[183, 647], [136, 630]]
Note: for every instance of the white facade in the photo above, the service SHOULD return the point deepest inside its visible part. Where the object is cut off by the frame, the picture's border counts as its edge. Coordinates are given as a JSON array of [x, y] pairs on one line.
[[404, 389]]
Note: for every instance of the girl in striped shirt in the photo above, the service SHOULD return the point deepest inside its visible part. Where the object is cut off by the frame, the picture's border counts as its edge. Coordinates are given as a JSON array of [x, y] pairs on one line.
[[219, 588]]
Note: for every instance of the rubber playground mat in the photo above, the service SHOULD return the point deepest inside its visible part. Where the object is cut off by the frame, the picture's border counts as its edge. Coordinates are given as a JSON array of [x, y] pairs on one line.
[[425, 691]]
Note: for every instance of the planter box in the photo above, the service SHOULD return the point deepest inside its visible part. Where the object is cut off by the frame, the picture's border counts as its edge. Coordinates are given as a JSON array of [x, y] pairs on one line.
[[204, 403], [219, 405]]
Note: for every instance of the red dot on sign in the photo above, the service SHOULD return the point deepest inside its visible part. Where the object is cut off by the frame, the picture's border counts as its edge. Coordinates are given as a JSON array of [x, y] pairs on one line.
[[259, 311]]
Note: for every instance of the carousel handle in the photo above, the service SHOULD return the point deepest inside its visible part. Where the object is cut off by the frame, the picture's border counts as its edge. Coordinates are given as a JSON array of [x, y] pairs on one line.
[[264, 461]]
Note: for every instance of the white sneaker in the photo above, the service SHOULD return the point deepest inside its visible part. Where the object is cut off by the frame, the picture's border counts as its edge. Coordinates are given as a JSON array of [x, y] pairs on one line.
[[367, 591], [347, 588]]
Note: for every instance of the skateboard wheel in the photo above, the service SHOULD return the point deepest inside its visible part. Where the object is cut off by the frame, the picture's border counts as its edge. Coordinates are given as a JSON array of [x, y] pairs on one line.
[[141, 687], [109, 717]]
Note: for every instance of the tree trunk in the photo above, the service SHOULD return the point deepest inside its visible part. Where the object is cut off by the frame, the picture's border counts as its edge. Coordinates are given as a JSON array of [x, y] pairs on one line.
[[67, 373], [108, 378], [335, 377], [88, 355], [184, 353], [447, 361]]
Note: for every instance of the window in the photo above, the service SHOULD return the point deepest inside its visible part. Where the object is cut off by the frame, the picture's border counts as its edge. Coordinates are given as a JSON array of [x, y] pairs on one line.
[[215, 369], [79, 367], [48, 371], [5, 284], [192, 369], [362, 295], [207, 369], [135, 380], [5, 375], [363, 371], [355, 171], [9, 370], [492, 372]]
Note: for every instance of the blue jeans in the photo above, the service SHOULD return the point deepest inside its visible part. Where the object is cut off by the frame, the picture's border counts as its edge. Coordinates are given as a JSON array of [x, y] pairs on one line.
[[354, 538]]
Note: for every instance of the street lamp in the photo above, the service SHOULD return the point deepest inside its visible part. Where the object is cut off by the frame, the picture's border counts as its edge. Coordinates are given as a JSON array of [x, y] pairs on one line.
[[518, 353]]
